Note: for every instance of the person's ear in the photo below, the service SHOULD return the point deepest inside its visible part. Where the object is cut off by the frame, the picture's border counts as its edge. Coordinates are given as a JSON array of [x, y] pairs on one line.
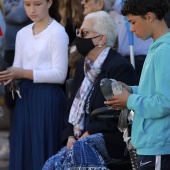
[[102, 41], [100, 5], [50, 3], [150, 16]]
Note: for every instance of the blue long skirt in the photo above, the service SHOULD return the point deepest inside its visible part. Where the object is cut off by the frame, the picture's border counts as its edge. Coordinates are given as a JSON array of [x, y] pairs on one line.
[[88, 153], [37, 125]]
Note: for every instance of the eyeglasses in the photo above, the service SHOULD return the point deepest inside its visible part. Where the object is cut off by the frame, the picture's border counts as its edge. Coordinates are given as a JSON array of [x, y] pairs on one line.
[[82, 32], [85, 1]]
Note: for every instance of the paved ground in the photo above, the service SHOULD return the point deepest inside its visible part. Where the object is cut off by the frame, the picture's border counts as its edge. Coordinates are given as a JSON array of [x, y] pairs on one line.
[[4, 141], [4, 134]]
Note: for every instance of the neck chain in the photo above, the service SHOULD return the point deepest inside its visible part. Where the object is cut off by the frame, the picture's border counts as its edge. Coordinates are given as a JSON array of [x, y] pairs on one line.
[[49, 21], [38, 30]]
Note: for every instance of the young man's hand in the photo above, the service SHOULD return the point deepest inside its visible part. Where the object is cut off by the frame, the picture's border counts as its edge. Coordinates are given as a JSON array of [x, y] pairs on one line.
[[119, 101]]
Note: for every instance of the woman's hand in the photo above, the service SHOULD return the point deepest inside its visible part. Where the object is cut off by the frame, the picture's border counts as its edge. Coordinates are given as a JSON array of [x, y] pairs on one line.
[[70, 142], [84, 135], [8, 75], [119, 101]]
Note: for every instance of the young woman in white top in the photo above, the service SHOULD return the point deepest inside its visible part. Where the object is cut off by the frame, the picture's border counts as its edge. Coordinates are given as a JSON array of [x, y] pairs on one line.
[[41, 62]]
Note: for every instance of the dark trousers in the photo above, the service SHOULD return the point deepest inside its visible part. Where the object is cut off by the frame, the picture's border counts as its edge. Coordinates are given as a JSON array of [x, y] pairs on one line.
[[152, 162], [9, 101], [9, 58]]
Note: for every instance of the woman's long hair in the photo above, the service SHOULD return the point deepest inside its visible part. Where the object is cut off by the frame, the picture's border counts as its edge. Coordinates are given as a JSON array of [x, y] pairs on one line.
[[72, 10], [53, 11]]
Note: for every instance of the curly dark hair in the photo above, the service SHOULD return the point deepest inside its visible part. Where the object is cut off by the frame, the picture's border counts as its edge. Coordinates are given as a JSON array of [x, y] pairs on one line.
[[142, 7]]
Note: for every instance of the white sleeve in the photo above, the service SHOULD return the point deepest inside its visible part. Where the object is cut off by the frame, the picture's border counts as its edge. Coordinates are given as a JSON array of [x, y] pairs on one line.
[[59, 60]]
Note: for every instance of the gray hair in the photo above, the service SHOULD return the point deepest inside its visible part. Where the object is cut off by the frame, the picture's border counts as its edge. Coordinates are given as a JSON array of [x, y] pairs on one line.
[[103, 23], [107, 4]]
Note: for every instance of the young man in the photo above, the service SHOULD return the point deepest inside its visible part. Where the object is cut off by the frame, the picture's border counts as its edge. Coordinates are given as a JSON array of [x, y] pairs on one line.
[[150, 100], [140, 47]]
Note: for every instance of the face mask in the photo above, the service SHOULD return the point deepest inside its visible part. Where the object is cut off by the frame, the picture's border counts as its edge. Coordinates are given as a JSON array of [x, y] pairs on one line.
[[84, 45]]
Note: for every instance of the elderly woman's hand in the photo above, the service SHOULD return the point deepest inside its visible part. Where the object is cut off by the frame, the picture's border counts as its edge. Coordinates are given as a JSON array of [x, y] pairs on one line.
[[70, 142], [84, 135], [119, 101]]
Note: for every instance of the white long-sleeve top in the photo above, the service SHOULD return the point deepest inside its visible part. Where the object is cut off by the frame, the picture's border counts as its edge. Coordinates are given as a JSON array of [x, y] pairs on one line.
[[46, 53]]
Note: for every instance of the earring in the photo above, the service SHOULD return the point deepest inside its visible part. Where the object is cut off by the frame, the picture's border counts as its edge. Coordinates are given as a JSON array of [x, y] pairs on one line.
[[100, 45]]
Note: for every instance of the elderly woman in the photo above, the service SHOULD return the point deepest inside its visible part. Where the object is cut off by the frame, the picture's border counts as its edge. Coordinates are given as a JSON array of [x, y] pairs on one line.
[[89, 143]]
